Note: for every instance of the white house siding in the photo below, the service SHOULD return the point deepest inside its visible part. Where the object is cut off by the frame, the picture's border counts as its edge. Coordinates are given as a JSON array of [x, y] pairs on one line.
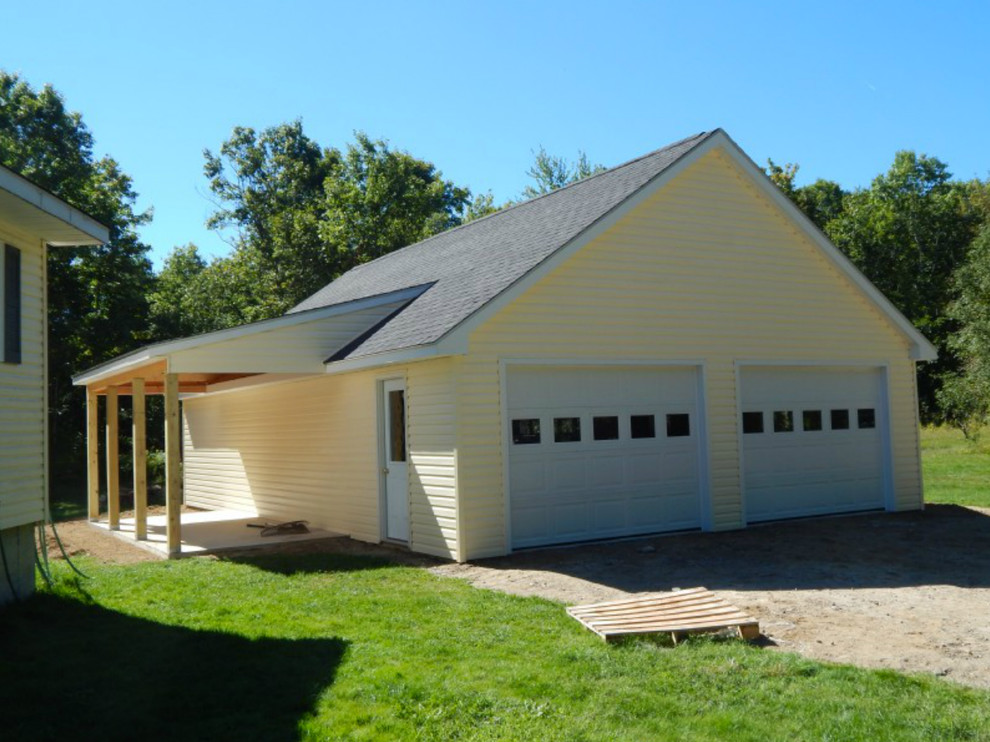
[[708, 270], [22, 395], [309, 449]]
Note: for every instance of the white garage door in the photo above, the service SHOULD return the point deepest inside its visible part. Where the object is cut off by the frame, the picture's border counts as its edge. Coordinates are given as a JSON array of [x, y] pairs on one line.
[[601, 452], [813, 441]]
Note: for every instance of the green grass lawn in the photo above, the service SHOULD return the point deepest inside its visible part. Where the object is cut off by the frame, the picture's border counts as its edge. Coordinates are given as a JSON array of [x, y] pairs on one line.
[[331, 647], [956, 470]]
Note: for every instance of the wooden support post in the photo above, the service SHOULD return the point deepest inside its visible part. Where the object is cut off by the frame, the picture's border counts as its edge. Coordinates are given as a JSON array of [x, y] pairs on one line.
[[173, 475], [140, 460], [92, 454], [113, 460]]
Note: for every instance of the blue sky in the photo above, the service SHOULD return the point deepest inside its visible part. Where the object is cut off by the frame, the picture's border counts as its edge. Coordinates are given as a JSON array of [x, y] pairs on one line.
[[837, 87]]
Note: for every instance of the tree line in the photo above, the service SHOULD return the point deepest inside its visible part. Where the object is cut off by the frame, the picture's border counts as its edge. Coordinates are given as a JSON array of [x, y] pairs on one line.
[[298, 214]]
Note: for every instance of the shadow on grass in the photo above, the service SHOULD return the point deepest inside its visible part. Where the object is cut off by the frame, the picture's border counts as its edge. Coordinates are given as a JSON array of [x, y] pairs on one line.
[[942, 545], [74, 670], [300, 561]]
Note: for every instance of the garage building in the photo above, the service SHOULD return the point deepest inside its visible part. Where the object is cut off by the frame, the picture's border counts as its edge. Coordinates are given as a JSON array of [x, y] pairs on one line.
[[668, 345]]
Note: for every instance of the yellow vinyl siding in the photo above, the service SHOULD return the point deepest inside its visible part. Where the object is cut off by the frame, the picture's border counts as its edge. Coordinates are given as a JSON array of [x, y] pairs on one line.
[[22, 396], [306, 449], [310, 449], [705, 270], [432, 458], [298, 348]]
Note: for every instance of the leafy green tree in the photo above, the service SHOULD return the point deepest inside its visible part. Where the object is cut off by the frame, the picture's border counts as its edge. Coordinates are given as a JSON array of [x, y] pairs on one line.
[[965, 396], [550, 172], [303, 215], [379, 199], [821, 201], [481, 205], [97, 305], [908, 233]]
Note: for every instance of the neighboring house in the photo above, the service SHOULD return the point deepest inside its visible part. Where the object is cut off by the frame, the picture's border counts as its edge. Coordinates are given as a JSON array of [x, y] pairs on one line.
[[667, 345], [31, 219]]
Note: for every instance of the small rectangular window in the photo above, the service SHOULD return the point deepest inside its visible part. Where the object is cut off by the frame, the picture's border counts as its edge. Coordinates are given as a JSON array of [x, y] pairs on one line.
[[678, 425], [783, 421], [11, 309], [642, 426], [526, 431], [840, 419], [752, 422], [605, 428], [866, 417], [397, 423], [811, 420], [566, 429]]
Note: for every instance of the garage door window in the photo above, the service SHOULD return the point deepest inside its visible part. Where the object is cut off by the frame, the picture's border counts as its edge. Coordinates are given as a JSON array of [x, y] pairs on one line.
[[866, 418], [567, 429], [840, 419], [606, 428], [811, 420], [678, 425], [783, 421], [642, 426], [526, 431], [752, 422]]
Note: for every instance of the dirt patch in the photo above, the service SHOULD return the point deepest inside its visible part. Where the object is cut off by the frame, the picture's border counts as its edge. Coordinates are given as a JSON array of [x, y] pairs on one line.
[[906, 591]]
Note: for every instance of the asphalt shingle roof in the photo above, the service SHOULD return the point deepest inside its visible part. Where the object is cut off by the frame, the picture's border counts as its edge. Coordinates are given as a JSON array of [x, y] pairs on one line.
[[468, 266]]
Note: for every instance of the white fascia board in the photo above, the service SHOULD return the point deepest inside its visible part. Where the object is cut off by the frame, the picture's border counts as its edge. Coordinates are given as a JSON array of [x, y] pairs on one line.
[[921, 347], [91, 231], [459, 335], [164, 349], [135, 359]]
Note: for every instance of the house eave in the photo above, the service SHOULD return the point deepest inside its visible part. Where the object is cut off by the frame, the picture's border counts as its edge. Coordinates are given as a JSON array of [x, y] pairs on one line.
[[52, 219]]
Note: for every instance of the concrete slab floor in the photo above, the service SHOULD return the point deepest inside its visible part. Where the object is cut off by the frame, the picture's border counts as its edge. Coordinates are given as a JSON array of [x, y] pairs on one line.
[[212, 532]]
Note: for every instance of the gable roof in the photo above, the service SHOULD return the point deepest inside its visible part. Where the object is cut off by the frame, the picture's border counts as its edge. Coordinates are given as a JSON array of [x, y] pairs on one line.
[[472, 264], [475, 269], [446, 285]]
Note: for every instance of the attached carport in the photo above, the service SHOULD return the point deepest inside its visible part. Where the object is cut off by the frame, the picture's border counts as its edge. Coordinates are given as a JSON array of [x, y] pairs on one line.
[[267, 352]]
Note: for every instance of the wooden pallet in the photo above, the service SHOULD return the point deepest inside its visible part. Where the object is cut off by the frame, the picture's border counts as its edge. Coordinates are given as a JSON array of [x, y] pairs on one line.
[[680, 612]]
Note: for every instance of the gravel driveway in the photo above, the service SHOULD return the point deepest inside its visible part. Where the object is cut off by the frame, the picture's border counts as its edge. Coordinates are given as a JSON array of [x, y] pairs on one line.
[[907, 591]]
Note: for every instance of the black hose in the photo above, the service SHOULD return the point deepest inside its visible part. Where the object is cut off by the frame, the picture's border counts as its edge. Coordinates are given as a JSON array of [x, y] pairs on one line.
[[65, 554], [43, 568]]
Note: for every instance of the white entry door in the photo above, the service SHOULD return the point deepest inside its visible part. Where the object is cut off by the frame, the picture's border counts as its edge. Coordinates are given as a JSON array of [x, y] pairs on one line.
[[396, 470]]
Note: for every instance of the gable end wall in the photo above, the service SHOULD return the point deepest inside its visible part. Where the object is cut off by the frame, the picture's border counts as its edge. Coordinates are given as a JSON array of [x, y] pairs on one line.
[[706, 269]]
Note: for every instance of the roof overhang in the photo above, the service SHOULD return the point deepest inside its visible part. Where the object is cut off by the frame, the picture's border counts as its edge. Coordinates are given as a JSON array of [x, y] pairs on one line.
[[35, 210], [158, 358]]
